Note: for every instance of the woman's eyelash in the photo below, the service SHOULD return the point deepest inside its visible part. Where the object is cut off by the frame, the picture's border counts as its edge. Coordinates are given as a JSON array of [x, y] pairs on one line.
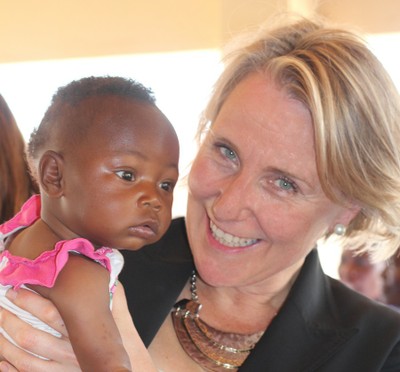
[[226, 151], [286, 182], [282, 182]]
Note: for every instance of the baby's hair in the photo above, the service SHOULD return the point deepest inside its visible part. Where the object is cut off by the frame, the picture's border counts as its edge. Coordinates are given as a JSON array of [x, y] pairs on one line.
[[74, 93], [78, 90], [61, 123]]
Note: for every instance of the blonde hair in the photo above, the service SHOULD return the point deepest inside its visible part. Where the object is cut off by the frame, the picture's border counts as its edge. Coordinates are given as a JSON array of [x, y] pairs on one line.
[[355, 109]]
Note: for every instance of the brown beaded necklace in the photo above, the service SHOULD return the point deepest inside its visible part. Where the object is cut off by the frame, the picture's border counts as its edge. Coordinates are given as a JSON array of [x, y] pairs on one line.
[[212, 349]]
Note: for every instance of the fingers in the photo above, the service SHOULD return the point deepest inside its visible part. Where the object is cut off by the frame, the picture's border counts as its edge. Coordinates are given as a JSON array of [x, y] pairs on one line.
[[21, 361], [39, 307], [56, 349], [25, 362], [7, 367], [16, 356]]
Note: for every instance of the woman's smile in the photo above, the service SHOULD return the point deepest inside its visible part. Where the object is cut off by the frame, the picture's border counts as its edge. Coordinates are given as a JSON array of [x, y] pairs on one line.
[[229, 239]]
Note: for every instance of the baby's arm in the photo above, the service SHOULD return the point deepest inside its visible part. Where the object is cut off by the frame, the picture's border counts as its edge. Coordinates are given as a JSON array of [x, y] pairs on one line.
[[82, 297], [57, 350]]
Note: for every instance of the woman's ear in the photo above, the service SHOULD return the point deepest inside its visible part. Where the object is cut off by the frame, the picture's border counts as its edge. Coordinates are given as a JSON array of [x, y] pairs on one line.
[[353, 209], [348, 215], [51, 173]]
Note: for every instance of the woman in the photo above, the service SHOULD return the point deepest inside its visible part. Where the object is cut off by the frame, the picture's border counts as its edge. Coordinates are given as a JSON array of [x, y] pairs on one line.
[[16, 186], [300, 140]]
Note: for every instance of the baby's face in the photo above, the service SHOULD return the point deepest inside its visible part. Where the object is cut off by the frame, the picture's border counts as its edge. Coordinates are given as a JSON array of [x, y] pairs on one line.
[[119, 180]]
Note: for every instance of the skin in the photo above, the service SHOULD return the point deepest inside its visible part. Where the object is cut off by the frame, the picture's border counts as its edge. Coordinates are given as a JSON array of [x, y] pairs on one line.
[[254, 177], [125, 174], [262, 187], [59, 350], [129, 166]]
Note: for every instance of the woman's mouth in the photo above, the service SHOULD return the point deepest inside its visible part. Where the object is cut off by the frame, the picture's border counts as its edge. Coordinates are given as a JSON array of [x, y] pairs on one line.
[[229, 239]]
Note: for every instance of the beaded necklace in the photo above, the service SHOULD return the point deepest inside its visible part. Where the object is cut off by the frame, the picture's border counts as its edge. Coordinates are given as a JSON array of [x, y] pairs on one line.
[[212, 349]]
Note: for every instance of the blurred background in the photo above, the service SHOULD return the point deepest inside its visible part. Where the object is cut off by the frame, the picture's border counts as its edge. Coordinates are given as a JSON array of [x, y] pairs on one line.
[[172, 46]]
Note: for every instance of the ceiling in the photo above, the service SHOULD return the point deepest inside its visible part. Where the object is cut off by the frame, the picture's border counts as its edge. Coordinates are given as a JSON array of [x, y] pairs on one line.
[[57, 29]]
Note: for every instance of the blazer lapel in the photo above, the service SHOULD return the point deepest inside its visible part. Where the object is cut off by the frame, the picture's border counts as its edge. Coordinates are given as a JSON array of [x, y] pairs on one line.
[[305, 333]]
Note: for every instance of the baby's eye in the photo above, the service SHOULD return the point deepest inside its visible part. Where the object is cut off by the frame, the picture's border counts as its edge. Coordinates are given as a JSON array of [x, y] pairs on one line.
[[285, 184], [125, 175], [167, 186]]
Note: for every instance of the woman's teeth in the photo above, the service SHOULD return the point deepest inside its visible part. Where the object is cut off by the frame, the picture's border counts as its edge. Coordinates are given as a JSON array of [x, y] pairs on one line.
[[228, 239]]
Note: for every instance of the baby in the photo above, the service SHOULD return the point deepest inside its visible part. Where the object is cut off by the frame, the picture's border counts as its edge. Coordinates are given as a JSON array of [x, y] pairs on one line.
[[106, 160]]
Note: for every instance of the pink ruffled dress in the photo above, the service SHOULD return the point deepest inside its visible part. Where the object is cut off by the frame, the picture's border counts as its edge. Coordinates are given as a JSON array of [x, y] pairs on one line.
[[17, 271]]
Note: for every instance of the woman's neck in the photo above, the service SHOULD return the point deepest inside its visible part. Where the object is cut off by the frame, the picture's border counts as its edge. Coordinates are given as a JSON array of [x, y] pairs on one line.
[[244, 309]]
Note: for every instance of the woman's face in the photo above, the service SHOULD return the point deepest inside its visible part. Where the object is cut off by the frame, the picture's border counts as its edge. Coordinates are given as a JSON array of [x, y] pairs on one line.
[[256, 207]]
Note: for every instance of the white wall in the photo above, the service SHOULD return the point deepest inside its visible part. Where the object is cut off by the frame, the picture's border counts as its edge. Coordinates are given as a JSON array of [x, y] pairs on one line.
[[181, 83]]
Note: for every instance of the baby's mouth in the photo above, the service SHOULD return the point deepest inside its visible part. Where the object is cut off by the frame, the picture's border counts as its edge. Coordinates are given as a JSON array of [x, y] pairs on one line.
[[146, 229], [229, 239]]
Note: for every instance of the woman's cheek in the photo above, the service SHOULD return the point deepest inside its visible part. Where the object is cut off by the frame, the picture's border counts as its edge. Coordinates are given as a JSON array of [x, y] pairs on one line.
[[202, 177]]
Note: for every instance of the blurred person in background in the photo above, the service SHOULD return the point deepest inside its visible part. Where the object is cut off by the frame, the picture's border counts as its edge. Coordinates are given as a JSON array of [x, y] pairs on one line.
[[16, 185], [391, 279], [358, 272]]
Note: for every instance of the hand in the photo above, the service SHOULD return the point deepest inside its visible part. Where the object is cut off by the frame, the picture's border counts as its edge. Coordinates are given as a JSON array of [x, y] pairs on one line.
[[57, 350]]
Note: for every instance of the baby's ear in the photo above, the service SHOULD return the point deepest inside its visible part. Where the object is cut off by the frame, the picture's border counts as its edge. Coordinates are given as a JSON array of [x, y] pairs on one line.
[[51, 173]]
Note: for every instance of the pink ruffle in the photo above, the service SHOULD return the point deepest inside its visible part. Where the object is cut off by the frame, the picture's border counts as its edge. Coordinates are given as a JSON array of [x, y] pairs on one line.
[[44, 269], [28, 214]]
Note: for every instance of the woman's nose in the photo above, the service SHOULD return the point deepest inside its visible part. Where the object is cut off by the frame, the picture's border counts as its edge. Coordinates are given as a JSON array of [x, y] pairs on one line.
[[234, 199]]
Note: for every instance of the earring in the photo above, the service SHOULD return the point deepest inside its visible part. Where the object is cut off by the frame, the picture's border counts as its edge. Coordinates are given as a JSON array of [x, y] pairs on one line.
[[340, 229]]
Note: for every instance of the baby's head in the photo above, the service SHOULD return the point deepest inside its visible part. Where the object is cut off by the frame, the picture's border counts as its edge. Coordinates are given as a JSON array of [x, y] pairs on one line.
[[106, 159]]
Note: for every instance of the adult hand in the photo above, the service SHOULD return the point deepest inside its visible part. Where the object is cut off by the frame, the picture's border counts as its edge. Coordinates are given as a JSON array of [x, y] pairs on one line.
[[57, 350]]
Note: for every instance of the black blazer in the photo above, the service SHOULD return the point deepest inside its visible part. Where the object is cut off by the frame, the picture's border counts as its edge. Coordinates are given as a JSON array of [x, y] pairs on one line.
[[322, 326]]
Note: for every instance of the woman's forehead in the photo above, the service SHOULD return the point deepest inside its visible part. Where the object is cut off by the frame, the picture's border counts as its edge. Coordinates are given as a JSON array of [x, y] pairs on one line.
[[261, 115]]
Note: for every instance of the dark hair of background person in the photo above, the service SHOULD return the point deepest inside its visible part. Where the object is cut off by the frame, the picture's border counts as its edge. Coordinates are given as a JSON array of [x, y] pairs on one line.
[[391, 276], [363, 275], [379, 281], [16, 184]]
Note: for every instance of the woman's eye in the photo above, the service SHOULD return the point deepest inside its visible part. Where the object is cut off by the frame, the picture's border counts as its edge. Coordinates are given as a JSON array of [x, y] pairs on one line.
[[167, 186], [126, 175], [227, 152], [285, 184]]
